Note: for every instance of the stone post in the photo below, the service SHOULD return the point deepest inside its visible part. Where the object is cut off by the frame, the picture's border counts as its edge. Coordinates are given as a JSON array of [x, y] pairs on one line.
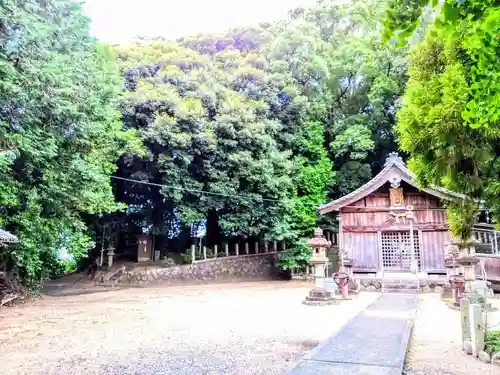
[[204, 252], [256, 247], [111, 254], [246, 248], [216, 248], [237, 249], [477, 329], [227, 249], [193, 253], [275, 246], [465, 318], [266, 247]]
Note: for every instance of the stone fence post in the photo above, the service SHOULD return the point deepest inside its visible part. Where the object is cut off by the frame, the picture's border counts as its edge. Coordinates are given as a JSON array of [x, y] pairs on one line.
[[464, 315], [473, 327], [193, 253], [477, 329]]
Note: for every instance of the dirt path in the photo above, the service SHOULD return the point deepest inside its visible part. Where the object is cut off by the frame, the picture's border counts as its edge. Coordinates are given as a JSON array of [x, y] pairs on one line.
[[436, 343], [245, 328]]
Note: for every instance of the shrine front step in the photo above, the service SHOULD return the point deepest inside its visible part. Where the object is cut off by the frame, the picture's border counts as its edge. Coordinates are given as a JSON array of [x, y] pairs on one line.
[[401, 286]]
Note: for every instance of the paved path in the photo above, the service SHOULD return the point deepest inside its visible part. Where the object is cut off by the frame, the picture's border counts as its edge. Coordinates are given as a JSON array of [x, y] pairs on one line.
[[372, 343]]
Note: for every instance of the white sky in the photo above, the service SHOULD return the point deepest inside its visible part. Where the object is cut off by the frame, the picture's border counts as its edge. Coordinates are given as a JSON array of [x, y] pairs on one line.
[[116, 21]]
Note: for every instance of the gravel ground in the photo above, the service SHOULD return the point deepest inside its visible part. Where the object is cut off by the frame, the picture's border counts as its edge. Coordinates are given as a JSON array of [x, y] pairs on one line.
[[436, 344], [244, 328]]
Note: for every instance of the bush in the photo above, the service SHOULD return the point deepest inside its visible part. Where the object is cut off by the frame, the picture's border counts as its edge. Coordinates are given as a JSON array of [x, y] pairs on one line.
[[296, 256], [492, 342], [167, 261]]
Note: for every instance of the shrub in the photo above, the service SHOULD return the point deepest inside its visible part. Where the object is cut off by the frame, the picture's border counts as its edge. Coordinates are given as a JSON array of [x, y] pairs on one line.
[[167, 261], [492, 342]]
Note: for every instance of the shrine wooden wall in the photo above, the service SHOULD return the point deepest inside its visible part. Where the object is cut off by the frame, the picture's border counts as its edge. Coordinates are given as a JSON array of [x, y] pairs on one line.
[[363, 221]]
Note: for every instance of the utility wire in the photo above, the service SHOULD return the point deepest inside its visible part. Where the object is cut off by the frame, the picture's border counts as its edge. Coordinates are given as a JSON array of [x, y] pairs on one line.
[[205, 192]]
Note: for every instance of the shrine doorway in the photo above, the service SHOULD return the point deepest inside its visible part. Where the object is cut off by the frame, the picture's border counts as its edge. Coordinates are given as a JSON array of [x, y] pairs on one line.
[[396, 249]]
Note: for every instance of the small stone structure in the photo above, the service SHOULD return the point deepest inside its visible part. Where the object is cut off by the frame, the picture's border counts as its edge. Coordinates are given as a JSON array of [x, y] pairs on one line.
[[251, 267], [473, 327]]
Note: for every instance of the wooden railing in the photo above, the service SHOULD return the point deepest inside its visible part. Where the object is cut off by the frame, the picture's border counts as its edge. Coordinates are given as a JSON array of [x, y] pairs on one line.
[[488, 251], [489, 240], [489, 267], [204, 253]]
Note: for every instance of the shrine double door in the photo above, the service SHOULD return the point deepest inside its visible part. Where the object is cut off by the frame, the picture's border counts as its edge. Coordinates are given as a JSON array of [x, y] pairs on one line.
[[398, 250]]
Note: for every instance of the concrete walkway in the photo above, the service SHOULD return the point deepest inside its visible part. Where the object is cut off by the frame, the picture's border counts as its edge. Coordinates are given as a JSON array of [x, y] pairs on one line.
[[372, 343]]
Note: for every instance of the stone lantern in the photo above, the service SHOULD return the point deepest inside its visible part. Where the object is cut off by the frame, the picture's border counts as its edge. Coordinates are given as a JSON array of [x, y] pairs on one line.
[[318, 294], [450, 260], [468, 261]]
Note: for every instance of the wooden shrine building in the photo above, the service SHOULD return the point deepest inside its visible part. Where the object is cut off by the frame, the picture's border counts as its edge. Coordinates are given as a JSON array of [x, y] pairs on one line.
[[390, 225]]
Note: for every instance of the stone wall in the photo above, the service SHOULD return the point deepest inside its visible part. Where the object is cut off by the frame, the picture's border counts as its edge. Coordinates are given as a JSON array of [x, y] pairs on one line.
[[248, 267], [377, 284]]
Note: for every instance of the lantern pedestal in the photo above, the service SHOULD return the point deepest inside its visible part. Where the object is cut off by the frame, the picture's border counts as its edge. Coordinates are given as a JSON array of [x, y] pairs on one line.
[[319, 296]]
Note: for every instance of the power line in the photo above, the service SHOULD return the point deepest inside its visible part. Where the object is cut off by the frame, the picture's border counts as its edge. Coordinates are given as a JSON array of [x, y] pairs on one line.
[[206, 192]]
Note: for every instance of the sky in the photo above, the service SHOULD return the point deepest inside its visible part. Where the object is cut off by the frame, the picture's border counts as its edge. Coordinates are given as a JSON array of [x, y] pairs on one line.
[[119, 21]]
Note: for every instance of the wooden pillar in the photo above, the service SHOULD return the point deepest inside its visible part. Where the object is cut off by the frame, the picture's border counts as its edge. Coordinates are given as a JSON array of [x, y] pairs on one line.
[[412, 245], [380, 256], [341, 232]]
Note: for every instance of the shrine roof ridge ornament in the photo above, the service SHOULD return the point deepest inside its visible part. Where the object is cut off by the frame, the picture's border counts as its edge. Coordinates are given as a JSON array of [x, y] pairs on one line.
[[394, 158], [394, 172]]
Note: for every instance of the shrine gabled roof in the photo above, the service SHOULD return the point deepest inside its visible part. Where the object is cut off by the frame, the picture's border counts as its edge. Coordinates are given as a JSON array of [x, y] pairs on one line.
[[7, 237], [394, 172]]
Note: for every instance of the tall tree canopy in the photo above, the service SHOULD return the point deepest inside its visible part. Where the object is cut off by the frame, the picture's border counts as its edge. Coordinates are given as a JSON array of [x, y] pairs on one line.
[[56, 94], [450, 120], [243, 133], [261, 120]]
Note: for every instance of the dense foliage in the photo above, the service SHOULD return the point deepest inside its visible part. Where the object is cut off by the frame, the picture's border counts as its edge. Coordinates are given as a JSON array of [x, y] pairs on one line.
[[241, 134], [450, 118], [57, 87], [261, 120]]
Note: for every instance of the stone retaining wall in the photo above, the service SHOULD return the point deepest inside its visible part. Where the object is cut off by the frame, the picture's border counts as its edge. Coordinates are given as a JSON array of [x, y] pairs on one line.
[[249, 267]]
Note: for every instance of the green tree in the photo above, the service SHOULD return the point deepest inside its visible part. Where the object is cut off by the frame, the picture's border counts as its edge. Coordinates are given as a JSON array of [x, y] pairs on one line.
[[265, 113], [450, 118], [57, 92]]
